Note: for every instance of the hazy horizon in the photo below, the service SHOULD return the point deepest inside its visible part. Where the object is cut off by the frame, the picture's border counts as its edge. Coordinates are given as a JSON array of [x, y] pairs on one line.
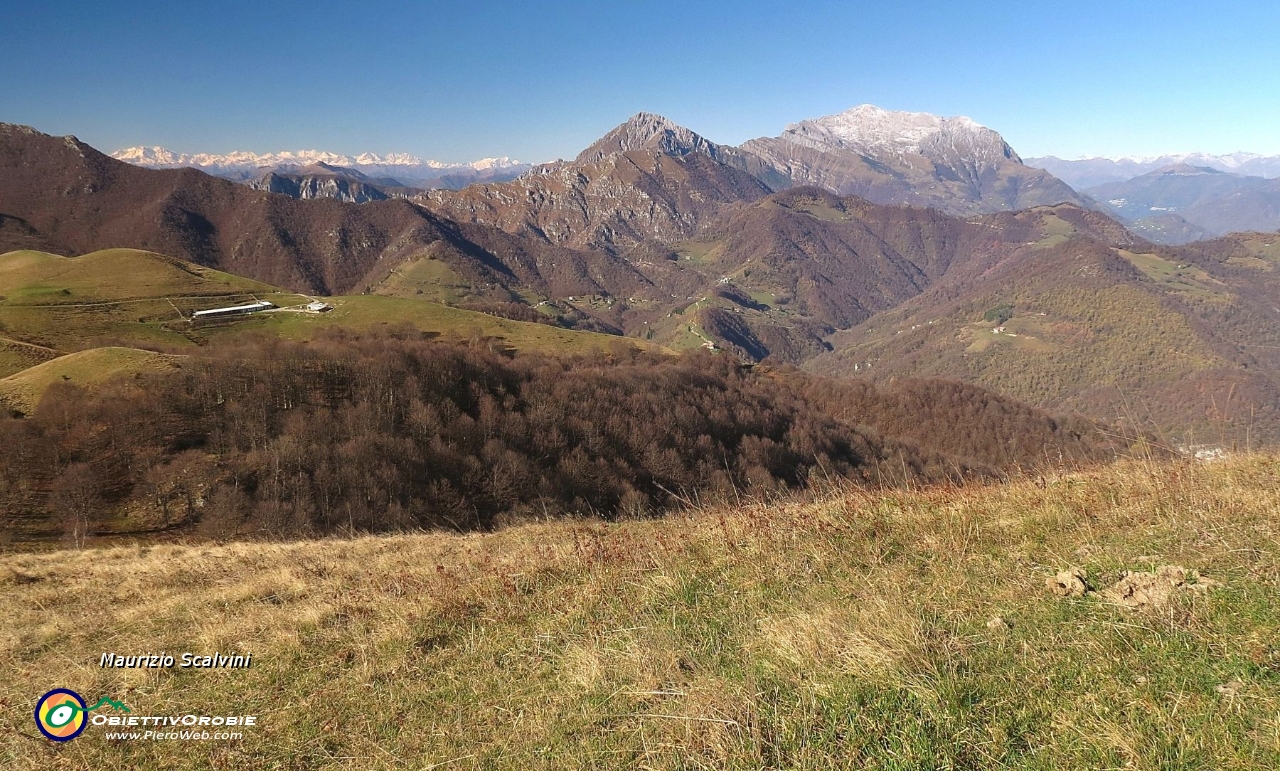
[[460, 81]]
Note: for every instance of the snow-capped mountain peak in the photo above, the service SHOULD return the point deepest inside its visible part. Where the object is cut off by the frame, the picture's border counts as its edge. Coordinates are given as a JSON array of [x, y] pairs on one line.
[[160, 157], [485, 164], [868, 128], [147, 156], [390, 159], [1222, 162], [875, 132], [243, 164]]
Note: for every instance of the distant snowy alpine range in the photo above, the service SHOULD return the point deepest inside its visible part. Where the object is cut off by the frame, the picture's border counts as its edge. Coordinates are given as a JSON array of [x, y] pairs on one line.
[[1082, 173], [407, 169]]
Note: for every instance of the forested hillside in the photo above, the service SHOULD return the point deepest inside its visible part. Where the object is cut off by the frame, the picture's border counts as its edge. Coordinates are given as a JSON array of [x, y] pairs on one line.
[[395, 431]]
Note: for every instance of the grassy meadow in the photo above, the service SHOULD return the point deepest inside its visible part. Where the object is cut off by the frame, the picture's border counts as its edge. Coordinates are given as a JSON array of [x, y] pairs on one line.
[[859, 629], [363, 312], [98, 307], [68, 304]]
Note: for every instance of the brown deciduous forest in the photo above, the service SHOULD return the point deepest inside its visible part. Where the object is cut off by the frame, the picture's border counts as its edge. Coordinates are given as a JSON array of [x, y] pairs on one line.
[[393, 430]]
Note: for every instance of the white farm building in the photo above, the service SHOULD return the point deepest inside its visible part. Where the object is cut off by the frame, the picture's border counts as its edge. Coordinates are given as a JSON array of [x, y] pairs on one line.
[[234, 310]]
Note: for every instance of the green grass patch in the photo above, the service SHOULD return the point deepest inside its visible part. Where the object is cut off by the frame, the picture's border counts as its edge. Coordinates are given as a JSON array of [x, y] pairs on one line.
[[1182, 278], [1265, 246], [1253, 263], [819, 209], [698, 252], [426, 278], [1054, 230]]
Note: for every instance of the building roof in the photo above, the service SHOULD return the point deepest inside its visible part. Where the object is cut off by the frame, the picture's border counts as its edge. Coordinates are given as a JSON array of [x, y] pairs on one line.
[[246, 308]]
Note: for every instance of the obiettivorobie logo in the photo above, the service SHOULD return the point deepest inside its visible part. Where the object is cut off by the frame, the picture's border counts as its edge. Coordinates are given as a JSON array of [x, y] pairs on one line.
[[61, 714]]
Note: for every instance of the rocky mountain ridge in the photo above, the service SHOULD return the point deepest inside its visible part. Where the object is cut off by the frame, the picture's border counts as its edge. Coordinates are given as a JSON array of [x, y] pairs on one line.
[[660, 189], [660, 240], [652, 179], [322, 180]]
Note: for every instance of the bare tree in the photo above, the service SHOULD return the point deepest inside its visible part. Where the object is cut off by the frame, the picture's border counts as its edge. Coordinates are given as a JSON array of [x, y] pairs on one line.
[[73, 498]]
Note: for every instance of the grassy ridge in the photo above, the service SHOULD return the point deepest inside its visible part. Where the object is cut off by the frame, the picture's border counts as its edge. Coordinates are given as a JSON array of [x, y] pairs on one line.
[[23, 390], [115, 295], [117, 298], [363, 312], [855, 631], [29, 278], [131, 295]]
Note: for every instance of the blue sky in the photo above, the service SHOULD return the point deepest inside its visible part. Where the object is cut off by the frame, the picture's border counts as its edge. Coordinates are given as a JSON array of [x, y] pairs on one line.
[[461, 80]]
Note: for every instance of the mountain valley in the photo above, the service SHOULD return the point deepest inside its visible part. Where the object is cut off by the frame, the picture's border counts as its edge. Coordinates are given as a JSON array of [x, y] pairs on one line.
[[799, 400], [1210, 203], [657, 233]]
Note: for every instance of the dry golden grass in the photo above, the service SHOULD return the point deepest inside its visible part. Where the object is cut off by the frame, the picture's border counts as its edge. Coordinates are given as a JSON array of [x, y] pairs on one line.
[[851, 632]]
